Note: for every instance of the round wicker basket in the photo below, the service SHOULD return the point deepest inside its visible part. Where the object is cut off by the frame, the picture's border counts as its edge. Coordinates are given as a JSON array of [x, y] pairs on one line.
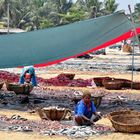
[[127, 123], [13, 86], [19, 89], [99, 80], [53, 113]]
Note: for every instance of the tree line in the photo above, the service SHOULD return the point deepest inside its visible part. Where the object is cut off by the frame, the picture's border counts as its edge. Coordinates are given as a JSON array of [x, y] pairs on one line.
[[39, 14]]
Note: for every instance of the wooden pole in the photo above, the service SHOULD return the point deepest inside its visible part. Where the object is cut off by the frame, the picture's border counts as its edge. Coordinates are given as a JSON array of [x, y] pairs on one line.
[[137, 39], [134, 30]]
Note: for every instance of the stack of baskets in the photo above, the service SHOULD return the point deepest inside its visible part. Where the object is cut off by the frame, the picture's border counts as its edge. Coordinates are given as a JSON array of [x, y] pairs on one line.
[[53, 113], [19, 88], [127, 121]]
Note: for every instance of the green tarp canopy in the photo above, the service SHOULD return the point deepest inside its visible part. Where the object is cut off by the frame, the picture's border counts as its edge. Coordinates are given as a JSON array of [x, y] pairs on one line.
[[53, 45]]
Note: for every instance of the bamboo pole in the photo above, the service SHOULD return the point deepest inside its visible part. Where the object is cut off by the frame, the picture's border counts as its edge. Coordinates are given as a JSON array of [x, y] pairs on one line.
[[136, 36]]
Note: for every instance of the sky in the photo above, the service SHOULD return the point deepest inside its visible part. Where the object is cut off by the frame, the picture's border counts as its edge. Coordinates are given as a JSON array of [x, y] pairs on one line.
[[123, 4]]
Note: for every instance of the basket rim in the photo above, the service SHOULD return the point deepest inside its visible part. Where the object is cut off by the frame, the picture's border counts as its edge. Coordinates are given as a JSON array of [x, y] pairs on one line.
[[123, 124], [124, 110], [55, 108], [116, 111]]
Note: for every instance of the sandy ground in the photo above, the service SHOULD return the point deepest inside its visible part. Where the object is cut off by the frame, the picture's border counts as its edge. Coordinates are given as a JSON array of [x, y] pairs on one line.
[[31, 136]]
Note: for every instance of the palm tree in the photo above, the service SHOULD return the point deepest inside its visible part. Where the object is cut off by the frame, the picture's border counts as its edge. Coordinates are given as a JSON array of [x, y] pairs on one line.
[[110, 6], [32, 13], [137, 12], [2, 8], [13, 10], [93, 7]]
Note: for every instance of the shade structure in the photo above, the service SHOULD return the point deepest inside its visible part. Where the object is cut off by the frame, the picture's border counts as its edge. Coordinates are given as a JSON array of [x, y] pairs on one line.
[[53, 45]]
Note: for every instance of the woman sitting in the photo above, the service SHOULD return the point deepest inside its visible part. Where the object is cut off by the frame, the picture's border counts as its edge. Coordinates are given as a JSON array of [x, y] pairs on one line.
[[85, 111]]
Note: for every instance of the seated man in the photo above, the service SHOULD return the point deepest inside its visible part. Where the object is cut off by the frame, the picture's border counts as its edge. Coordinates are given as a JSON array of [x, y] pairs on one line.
[[85, 111], [28, 75]]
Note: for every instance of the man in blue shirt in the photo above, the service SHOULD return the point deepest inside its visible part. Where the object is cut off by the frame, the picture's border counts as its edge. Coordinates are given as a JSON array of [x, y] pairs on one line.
[[85, 111], [28, 75]]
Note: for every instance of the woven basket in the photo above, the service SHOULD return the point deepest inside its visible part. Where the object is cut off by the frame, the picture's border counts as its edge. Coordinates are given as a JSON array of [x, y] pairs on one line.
[[113, 84], [1, 84], [99, 80], [125, 82], [53, 113], [14, 87], [19, 89], [126, 123]]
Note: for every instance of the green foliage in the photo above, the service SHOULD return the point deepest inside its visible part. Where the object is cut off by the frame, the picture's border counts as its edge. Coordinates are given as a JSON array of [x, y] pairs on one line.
[[40, 14], [137, 12], [44, 23], [110, 6], [73, 15]]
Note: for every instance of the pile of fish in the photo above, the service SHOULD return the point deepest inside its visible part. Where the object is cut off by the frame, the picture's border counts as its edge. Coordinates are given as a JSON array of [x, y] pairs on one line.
[[19, 124]]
